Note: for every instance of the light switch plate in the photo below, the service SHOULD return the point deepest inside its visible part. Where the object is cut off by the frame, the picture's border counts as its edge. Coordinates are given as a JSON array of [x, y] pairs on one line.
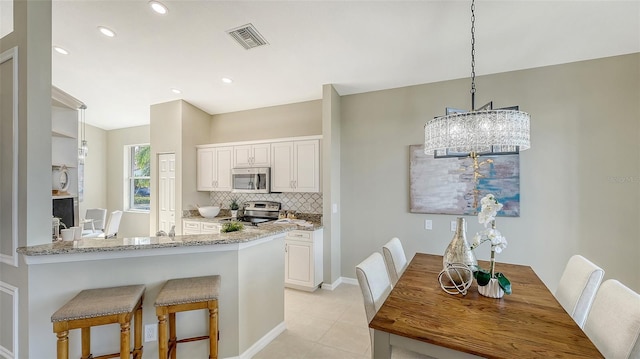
[[453, 226], [151, 332], [428, 224]]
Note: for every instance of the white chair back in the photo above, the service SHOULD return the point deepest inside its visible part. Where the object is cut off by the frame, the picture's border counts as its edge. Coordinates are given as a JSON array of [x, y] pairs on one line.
[[113, 224], [374, 283], [395, 259], [578, 286], [99, 217], [613, 324]]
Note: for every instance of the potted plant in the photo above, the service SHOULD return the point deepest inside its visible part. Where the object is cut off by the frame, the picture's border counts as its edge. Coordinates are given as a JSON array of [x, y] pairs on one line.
[[234, 207], [231, 227], [491, 283]]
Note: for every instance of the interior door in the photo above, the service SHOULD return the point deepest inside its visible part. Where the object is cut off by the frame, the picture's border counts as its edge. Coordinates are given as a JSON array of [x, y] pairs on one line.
[[166, 191]]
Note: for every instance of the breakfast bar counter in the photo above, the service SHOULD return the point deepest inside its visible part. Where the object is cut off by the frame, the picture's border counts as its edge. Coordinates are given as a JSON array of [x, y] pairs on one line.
[[59, 251], [250, 263]]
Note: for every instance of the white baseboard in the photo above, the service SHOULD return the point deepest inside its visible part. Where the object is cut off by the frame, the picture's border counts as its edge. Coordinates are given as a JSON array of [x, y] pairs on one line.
[[340, 280], [262, 342], [333, 285], [352, 281]]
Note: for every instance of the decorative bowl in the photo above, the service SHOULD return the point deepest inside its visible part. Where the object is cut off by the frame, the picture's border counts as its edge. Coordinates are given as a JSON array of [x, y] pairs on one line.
[[209, 211]]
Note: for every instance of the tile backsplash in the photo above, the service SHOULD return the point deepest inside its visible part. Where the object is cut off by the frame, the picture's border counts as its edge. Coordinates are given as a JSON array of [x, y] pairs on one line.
[[300, 202]]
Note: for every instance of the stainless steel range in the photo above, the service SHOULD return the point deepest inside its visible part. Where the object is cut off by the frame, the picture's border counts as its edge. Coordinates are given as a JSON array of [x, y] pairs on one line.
[[256, 212]]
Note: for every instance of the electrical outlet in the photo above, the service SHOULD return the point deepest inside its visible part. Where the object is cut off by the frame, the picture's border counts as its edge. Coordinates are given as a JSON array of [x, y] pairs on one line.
[[151, 332], [428, 224], [454, 225]]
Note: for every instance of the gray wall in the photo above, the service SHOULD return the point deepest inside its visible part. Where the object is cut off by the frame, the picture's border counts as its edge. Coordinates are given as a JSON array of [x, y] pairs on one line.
[[133, 223], [579, 181], [331, 120], [196, 126], [296, 119], [177, 127], [32, 36]]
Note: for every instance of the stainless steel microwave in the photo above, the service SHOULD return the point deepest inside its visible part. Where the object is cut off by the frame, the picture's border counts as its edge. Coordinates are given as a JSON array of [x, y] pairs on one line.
[[250, 180]]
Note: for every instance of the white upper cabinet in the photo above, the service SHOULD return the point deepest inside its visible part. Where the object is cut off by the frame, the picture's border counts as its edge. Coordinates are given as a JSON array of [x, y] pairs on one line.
[[214, 168], [252, 155], [306, 159], [295, 166], [282, 167]]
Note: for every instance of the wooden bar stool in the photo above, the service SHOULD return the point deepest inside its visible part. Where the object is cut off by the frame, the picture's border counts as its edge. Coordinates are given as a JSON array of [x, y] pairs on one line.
[[180, 295], [93, 307]]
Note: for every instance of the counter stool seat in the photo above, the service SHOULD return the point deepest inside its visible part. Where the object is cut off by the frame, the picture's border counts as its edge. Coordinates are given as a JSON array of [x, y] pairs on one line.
[[93, 307], [185, 294]]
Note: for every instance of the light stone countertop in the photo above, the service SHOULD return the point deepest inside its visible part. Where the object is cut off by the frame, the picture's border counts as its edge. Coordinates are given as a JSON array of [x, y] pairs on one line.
[[221, 219], [92, 245]]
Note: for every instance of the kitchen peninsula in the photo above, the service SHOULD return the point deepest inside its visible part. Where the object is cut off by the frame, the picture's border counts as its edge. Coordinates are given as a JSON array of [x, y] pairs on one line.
[[250, 262]]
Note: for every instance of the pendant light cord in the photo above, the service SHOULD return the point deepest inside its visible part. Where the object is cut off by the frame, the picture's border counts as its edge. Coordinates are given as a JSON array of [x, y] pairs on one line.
[[473, 55], [83, 131]]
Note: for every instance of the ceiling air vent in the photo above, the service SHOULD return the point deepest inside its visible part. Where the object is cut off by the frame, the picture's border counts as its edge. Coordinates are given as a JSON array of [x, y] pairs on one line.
[[247, 36]]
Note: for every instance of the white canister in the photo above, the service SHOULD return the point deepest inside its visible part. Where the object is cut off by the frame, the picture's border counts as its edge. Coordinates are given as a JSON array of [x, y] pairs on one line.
[[67, 234], [77, 232]]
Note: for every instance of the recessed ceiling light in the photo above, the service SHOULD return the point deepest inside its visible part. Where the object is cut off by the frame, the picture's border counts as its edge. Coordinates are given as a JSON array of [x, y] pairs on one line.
[[106, 31], [60, 50], [176, 91], [227, 80], [158, 7]]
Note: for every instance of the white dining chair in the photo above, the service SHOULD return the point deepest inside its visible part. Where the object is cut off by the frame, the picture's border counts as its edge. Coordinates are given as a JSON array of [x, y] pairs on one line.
[[96, 220], [578, 286], [111, 230], [395, 259], [375, 285], [613, 324], [113, 224]]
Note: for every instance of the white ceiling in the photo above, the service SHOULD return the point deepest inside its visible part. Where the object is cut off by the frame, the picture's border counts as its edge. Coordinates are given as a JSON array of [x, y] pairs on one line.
[[358, 46]]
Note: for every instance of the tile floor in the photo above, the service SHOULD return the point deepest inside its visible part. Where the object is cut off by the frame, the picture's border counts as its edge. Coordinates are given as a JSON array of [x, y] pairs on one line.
[[322, 324]]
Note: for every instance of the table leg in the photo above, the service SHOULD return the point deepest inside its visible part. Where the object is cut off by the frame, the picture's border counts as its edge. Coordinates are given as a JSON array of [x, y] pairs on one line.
[[381, 348]]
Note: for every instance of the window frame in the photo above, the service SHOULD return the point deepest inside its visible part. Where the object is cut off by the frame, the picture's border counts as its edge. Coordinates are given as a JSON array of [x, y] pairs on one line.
[[130, 178]]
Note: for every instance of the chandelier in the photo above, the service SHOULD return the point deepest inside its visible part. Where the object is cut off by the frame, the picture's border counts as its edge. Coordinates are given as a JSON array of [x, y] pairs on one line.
[[483, 131]]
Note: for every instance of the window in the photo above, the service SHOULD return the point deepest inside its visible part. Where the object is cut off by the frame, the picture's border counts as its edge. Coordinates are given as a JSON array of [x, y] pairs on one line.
[[139, 172]]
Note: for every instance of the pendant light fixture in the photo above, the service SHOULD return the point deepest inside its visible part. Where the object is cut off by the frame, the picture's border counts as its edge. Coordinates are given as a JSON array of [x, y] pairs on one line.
[[483, 131], [83, 151]]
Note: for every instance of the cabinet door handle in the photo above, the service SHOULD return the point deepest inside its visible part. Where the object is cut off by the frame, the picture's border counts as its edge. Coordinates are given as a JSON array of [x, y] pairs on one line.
[[285, 248]]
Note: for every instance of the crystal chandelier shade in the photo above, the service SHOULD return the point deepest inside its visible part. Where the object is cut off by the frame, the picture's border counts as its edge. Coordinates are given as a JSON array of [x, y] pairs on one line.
[[484, 131], [480, 132]]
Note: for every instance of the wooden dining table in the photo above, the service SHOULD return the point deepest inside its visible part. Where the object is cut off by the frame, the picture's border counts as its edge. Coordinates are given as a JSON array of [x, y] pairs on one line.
[[529, 323]]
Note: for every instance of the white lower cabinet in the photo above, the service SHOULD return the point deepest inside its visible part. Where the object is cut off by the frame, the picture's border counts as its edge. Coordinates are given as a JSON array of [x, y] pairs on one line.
[[199, 227], [303, 260]]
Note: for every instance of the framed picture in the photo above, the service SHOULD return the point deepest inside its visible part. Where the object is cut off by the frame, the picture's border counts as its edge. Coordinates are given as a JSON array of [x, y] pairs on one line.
[[448, 186]]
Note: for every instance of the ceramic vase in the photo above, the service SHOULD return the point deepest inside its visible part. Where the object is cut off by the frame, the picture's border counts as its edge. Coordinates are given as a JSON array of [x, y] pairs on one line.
[[492, 289], [459, 251]]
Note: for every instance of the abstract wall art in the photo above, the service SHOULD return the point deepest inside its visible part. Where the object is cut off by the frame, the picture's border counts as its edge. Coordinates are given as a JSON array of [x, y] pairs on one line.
[[447, 185]]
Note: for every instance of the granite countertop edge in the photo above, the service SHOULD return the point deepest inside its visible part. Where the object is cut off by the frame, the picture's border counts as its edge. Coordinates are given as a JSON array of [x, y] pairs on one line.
[[92, 245]]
